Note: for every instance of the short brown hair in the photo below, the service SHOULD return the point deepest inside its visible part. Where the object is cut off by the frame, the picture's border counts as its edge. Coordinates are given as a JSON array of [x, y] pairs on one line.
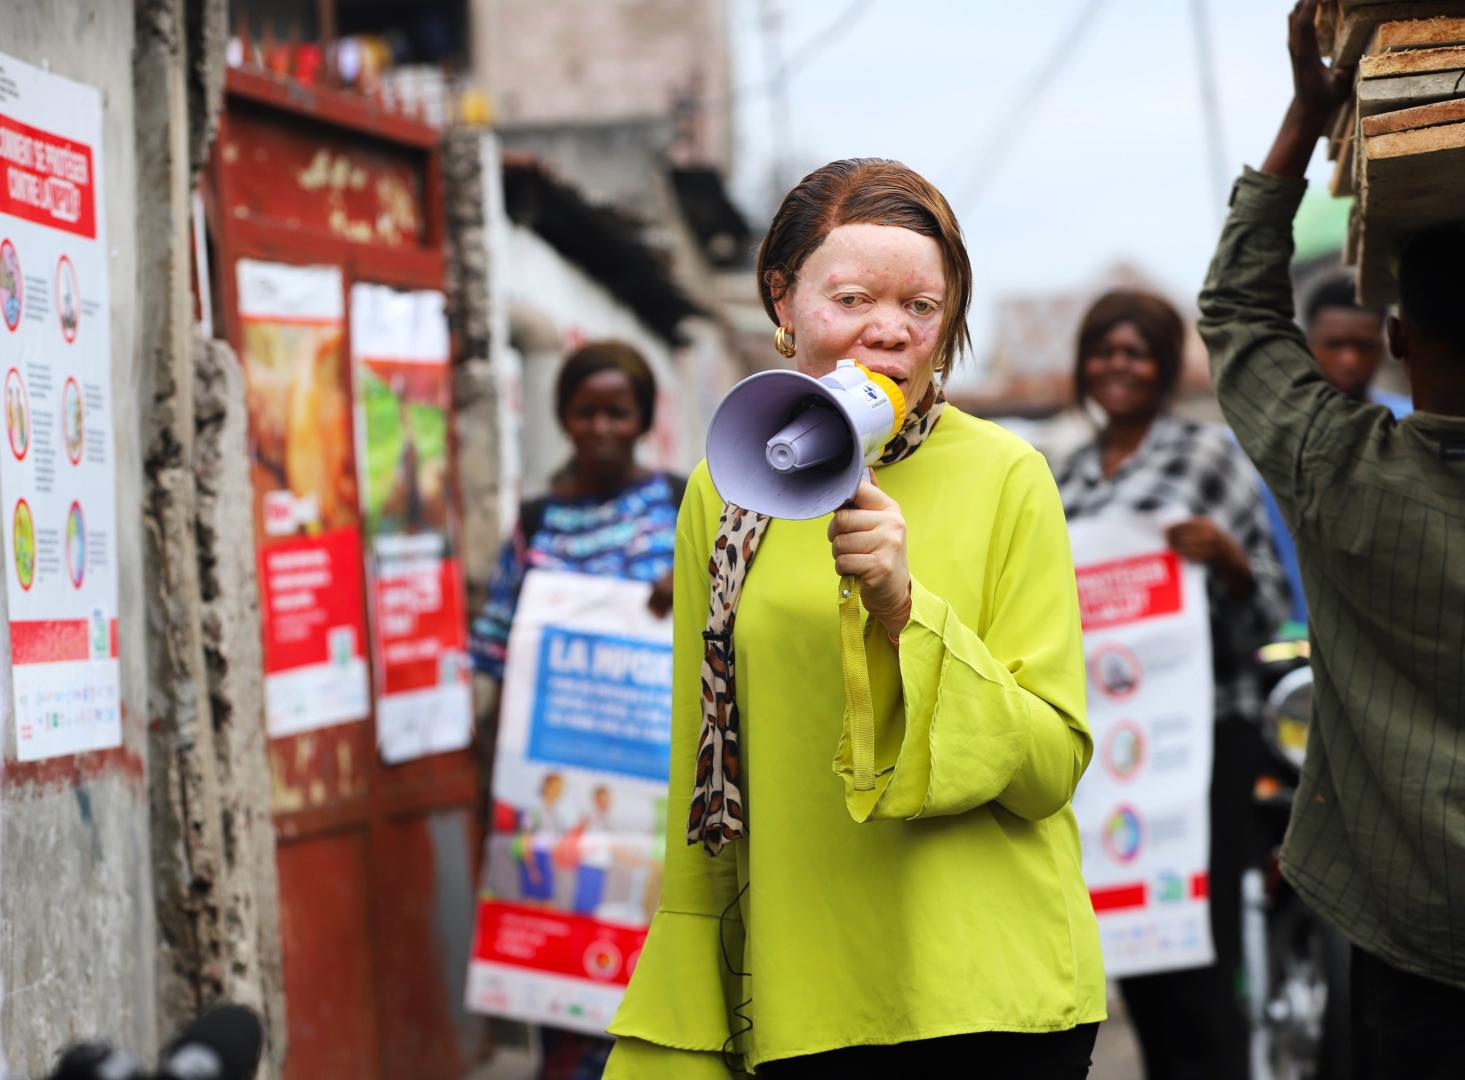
[[1153, 316], [596, 356], [868, 191]]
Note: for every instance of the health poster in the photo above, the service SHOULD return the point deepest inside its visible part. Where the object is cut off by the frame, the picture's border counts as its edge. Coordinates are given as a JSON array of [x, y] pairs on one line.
[[307, 524], [1143, 806], [419, 632], [573, 867], [58, 511]]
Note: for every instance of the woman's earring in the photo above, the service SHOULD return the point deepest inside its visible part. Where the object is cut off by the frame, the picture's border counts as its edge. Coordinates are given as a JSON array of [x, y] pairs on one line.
[[783, 341]]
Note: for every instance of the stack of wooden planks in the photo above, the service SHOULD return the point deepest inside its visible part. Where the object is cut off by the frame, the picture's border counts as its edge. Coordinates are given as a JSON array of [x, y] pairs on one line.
[[1400, 141]]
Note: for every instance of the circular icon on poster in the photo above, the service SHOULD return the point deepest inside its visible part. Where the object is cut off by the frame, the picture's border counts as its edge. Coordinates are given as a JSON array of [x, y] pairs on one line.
[[23, 528], [603, 960], [75, 545], [68, 299], [1115, 671], [1124, 750], [11, 286], [1122, 834], [17, 414], [73, 426]]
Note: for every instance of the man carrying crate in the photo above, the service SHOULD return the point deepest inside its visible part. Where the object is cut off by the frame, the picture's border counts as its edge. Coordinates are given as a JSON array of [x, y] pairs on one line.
[[1377, 838]]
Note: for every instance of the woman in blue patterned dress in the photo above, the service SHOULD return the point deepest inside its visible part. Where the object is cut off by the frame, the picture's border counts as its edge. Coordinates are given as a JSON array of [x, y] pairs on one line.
[[603, 515]]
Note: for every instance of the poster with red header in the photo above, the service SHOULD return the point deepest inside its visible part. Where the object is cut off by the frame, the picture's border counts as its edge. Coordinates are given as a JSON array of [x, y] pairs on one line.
[[57, 466], [572, 871], [419, 633], [306, 514], [1143, 808]]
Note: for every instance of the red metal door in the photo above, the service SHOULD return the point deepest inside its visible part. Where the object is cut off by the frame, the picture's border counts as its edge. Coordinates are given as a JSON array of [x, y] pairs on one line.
[[376, 862]]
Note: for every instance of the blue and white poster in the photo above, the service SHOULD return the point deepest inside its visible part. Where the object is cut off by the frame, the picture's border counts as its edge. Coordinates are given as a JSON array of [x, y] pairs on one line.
[[573, 872]]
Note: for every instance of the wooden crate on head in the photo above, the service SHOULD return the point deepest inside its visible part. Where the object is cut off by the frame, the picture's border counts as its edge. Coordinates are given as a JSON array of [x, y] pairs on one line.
[[1399, 142]]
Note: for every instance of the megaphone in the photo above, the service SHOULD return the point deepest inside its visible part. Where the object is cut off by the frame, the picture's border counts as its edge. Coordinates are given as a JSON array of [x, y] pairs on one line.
[[791, 446]]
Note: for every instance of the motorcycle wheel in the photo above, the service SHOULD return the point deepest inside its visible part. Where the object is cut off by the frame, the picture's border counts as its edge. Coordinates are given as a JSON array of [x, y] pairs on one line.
[[1308, 1005]]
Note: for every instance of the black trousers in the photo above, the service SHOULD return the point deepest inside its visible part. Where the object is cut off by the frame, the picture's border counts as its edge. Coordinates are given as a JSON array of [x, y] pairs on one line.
[[1191, 1024], [1404, 1025], [1054, 1055]]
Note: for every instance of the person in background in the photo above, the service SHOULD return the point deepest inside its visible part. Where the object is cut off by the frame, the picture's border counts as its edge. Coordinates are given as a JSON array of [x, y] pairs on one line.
[[604, 515], [1376, 843], [1146, 460], [1347, 341]]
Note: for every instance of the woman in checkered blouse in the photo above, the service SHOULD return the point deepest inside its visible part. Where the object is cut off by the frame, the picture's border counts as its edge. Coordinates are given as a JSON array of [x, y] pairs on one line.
[[1147, 460]]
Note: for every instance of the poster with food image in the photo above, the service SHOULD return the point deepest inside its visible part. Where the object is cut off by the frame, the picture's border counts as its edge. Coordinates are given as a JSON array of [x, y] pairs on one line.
[[59, 517], [306, 515], [1142, 807], [419, 633]]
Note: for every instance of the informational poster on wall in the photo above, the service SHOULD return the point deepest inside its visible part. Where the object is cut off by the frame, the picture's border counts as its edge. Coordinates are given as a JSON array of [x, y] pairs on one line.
[[419, 631], [306, 513], [1143, 806], [573, 869], [57, 467]]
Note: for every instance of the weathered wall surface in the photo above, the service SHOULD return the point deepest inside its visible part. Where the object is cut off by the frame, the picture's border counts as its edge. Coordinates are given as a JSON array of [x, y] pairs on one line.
[[549, 61], [211, 839], [137, 885], [78, 943]]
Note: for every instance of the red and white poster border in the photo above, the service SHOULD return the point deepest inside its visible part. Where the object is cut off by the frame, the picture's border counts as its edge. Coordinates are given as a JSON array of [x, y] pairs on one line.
[[1142, 807]]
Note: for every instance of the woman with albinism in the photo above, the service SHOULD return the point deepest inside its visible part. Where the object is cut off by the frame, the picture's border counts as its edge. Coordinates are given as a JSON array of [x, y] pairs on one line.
[[812, 924]]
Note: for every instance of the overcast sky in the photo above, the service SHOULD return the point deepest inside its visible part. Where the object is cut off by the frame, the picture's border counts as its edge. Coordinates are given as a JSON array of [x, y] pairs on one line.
[[1111, 161]]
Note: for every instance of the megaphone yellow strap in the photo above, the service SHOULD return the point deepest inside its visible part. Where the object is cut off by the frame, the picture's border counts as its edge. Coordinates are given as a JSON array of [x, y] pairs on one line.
[[897, 399], [857, 683]]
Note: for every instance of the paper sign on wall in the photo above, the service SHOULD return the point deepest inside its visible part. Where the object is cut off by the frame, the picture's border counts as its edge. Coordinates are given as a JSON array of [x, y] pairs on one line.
[[1142, 807], [419, 632], [57, 466], [306, 519], [574, 865]]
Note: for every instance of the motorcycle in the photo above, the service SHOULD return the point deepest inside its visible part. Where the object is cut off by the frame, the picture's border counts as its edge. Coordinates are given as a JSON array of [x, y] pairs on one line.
[[1297, 965]]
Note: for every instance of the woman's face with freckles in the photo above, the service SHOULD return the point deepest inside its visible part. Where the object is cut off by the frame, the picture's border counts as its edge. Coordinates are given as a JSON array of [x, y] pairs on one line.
[[871, 293]]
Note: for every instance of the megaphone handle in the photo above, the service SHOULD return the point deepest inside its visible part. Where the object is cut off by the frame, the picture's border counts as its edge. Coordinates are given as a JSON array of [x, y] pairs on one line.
[[857, 683]]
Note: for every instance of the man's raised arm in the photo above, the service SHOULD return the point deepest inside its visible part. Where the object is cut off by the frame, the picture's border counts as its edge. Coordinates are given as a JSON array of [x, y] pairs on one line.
[[1270, 389]]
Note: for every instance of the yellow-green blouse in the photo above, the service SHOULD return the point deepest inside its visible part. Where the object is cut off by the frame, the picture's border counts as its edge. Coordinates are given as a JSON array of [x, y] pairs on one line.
[[950, 899]]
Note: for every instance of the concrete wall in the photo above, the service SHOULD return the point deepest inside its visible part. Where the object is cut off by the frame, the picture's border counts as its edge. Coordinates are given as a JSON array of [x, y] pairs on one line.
[[567, 60], [78, 944], [137, 884]]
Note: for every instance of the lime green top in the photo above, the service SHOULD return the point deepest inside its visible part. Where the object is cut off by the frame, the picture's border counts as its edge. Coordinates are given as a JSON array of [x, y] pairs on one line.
[[948, 900]]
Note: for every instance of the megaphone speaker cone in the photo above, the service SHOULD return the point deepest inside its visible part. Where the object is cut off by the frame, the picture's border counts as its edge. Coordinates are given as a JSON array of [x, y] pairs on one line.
[[790, 446]]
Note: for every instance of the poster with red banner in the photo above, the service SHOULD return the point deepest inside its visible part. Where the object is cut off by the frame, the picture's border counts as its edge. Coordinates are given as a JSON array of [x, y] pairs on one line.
[[58, 464], [573, 868], [1142, 807], [419, 631], [307, 522]]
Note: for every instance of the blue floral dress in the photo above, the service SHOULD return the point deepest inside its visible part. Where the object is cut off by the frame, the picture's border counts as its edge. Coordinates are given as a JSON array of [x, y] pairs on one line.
[[630, 535]]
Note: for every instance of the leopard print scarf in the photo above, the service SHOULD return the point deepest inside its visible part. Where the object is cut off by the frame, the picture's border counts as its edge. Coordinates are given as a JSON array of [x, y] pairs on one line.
[[716, 816]]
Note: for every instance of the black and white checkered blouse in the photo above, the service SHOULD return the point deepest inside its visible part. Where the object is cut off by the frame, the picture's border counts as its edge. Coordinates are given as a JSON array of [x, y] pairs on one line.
[[1200, 469]]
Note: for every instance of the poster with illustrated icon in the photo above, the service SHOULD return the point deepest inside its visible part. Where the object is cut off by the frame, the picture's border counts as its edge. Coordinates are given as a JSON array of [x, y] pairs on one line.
[[572, 873], [57, 464], [1143, 805], [419, 633], [306, 514]]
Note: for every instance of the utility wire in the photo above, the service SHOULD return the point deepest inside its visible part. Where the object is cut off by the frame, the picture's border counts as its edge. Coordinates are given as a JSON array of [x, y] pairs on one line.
[[804, 54], [1210, 105], [996, 149]]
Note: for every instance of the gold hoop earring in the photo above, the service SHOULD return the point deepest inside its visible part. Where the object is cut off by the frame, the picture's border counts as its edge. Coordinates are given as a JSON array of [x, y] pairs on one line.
[[783, 341]]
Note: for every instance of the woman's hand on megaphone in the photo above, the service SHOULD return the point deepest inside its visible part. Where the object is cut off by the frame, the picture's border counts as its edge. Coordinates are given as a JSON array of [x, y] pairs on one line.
[[867, 537]]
